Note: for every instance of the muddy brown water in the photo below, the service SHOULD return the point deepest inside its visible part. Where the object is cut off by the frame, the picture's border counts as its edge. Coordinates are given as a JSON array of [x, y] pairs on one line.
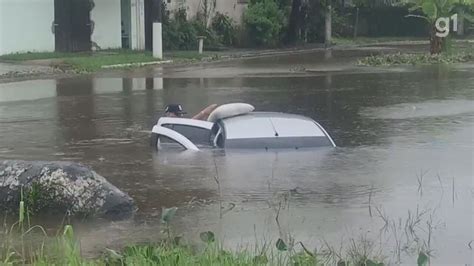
[[404, 136]]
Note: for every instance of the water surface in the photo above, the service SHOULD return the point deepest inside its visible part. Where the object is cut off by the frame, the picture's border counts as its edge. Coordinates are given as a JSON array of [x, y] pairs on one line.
[[404, 136]]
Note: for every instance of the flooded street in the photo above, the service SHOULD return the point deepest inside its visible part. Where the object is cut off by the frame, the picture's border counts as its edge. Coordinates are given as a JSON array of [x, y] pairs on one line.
[[405, 140]]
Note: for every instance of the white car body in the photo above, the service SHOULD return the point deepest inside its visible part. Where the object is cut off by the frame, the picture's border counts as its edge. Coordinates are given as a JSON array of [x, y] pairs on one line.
[[253, 130]]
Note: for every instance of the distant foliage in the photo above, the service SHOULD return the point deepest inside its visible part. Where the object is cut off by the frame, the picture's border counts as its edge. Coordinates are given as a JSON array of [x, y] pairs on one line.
[[224, 27], [416, 59], [179, 33], [264, 22]]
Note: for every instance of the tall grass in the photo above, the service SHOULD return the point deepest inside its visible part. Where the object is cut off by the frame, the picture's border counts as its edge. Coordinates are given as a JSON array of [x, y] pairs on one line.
[[24, 244], [64, 249]]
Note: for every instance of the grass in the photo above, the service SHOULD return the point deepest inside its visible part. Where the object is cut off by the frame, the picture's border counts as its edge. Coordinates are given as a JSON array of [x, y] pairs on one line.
[[415, 59], [19, 245], [459, 53], [374, 40], [94, 61], [190, 55], [384, 40]]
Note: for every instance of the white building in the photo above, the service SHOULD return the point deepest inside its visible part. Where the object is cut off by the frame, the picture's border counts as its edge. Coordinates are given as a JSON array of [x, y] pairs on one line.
[[81, 25], [70, 25]]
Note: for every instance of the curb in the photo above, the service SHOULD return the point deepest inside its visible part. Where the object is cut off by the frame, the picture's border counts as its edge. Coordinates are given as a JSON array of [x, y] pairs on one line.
[[137, 64]]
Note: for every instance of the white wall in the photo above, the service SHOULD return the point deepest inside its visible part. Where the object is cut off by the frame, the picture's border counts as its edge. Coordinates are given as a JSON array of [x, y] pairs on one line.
[[107, 17], [25, 25]]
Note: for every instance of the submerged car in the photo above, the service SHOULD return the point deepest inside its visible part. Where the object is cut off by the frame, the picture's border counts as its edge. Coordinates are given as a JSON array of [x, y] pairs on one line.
[[241, 130]]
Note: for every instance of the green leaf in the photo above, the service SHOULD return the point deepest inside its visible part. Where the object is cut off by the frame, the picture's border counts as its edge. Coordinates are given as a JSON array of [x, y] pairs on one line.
[[341, 263], [422, 259], [280, 245], [167, 214], [372, 263], [207, 237], [429, 8], [68, 232], [22, 212], [177, 240], [468, 17], [260, 259], [112, 254]]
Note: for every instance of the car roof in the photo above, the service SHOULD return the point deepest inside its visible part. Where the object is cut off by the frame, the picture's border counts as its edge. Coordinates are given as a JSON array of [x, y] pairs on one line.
[[266, 114], [270, 124]]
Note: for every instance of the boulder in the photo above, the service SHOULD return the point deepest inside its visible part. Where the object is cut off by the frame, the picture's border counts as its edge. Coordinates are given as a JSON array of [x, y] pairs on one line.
[[60, 188]]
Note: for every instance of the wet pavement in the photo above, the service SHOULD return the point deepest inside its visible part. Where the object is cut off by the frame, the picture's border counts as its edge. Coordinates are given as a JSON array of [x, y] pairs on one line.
[[404, 136]]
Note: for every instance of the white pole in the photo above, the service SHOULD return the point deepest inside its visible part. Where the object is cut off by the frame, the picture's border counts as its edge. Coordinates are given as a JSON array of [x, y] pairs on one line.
[[157, 41], [201, 45]]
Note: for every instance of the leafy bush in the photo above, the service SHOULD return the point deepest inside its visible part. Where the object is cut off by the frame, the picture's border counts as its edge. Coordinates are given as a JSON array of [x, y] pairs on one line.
[[415, 59], [223, 27], [264, 21], [179, 33], [341, 23]]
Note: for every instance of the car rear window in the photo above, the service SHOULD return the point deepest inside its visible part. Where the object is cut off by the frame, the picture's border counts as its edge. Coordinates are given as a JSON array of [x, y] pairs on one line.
[[268, 127]]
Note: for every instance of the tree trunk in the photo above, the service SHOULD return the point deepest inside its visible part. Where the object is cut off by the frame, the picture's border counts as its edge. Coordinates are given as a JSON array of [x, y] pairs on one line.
[[460, 23], [436, 43], [328, 25], [294, 25], [356, 24]]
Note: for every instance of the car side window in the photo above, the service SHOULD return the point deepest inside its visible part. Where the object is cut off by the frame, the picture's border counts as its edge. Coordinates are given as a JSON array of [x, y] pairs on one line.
[[163, 140], [197, 135]]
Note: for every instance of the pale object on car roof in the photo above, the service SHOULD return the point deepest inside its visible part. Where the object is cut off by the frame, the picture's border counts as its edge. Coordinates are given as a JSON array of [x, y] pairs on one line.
[[229, 110]]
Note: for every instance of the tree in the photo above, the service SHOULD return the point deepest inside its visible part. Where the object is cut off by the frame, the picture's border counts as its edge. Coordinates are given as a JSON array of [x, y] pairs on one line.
[[328, 23], [264, 22], [294, 24], [433, 10]]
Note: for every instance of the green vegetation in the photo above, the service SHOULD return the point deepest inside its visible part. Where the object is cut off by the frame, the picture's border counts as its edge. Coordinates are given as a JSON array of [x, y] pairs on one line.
[[432, 10], [85, 61], [96, 62], [264, 22], [19, 245], [378, 40], [460, 56], [90, 62], [39, 56], [415, 59], [179, 33]]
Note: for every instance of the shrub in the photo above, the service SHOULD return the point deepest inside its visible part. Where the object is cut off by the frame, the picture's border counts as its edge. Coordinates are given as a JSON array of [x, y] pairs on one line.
[[264, 22], [179, 33], [223, 26]]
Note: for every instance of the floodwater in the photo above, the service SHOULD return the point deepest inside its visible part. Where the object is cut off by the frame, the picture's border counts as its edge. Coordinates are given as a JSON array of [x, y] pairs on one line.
[[404, 136]]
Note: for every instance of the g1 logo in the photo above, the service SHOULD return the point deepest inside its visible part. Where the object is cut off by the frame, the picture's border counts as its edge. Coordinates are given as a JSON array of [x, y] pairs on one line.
[[442, 25]]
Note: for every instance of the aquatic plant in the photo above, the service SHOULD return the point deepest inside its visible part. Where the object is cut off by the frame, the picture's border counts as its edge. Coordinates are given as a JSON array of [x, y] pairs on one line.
[[415, 59]]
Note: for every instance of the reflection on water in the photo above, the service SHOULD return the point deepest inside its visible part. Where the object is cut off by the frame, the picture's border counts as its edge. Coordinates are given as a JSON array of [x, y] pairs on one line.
[[390, 126]]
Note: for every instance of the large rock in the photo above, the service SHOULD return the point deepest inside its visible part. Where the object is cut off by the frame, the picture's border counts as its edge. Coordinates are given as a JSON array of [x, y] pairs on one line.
[[60, 187]]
